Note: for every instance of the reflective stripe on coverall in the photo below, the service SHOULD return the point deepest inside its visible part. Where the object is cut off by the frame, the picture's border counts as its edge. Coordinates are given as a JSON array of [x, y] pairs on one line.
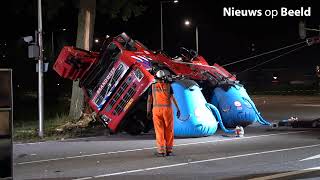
[[162, 116]]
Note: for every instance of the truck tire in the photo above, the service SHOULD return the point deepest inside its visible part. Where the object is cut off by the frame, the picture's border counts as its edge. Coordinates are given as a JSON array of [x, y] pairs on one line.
[[135, 127]]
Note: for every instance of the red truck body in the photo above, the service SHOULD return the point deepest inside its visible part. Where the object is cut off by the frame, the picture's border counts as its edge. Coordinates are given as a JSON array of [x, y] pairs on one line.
[[114, 79]]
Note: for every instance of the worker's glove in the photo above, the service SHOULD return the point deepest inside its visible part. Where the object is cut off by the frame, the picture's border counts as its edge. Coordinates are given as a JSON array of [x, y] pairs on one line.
[[178, 113]]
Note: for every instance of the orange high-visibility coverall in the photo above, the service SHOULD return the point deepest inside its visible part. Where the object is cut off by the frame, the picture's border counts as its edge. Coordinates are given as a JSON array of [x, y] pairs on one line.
[[162, 115]]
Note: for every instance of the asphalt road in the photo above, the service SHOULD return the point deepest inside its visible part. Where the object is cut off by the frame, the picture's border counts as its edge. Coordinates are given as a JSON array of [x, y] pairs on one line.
[[5, 156], [263, 153]]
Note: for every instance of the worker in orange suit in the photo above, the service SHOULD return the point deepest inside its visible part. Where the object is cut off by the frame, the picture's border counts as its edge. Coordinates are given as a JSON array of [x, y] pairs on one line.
[[160, 101]]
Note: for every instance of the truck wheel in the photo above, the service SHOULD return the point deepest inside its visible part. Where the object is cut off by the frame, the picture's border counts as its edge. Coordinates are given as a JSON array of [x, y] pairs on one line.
[[135, 127], [315, 123], [148, 126]]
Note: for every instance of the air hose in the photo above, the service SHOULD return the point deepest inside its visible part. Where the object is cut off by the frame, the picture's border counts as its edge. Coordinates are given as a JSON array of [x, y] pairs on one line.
[[260, 118], [216, 113]]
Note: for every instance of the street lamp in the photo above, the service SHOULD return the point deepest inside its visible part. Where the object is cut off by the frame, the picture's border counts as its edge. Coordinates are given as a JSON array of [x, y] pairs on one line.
[[188, 23], [161, 23], [40, 70], [35, 50]]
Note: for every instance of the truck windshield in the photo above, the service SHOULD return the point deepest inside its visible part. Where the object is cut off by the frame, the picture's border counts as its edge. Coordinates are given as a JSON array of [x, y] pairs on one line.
[[96, 73]]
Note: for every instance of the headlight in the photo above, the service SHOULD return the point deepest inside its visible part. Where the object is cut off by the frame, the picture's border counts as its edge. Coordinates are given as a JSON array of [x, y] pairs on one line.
[[105, 118], [138, 74]]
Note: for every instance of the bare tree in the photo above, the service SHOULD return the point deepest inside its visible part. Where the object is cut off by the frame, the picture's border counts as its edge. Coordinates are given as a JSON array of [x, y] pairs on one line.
[[86, 18]]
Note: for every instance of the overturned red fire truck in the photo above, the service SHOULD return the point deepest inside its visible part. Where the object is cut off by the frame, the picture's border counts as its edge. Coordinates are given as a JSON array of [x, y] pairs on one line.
[[115, 81]]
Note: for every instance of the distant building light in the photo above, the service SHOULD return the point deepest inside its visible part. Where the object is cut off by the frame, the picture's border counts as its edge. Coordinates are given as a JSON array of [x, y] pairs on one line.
[[64, 29], [96, 40], [275, 77], [58, 84], [187, 22], [4, 56], [18, 86]]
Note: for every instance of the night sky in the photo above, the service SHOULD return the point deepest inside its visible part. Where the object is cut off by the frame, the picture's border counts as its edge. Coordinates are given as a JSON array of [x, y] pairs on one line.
[[221, 39]]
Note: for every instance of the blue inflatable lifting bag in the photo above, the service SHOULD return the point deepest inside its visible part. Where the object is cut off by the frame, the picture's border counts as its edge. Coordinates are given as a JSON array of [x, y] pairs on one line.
[[235, 106], [196, 120]]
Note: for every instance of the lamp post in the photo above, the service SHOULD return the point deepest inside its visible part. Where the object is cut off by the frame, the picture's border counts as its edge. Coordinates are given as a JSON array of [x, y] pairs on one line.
[[188, 23], [40, 72], [161, 19]]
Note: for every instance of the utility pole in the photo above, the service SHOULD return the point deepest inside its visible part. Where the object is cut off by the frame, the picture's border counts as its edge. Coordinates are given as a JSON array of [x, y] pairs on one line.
[[40, 70], [197, 39], [188, 23]]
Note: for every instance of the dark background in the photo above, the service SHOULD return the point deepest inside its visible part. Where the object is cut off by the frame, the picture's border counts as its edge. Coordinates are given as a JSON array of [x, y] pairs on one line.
[[5, 125], [221, 39]]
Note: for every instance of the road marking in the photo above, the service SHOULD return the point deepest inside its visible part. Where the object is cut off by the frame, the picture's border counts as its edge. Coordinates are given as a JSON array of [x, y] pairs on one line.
[[24, 144], [307, 105], [148, 148], [237, 138], [55, 141], [140, 170], [312, 157], [81, 156], [197, 162], [291, 173]]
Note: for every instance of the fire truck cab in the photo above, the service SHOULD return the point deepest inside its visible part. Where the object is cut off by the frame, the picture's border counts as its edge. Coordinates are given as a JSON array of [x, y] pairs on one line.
[[112, 80]]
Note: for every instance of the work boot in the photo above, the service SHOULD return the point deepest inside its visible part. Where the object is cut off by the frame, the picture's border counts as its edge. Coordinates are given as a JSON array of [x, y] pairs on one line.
[[170, 154], [157, 154]]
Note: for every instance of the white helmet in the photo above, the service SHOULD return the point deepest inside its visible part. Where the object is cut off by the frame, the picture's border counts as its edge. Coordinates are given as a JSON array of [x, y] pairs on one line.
[[160, 74]]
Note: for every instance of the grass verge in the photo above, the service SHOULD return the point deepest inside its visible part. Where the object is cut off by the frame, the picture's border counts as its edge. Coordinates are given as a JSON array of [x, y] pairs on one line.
[[25, 132]]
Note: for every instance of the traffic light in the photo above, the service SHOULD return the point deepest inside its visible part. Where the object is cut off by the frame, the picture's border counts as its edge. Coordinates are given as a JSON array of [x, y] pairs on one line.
[[33, 47]]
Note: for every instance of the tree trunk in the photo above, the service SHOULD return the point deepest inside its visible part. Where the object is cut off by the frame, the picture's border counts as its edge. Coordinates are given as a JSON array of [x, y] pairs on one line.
[[85, 31]]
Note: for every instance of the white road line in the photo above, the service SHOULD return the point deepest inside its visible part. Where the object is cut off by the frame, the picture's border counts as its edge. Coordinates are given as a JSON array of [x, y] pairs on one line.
[[291, 173], [312, 157], [236, 138], [201, 161], [307, 105], [148, 148], [81, 156], [24, 144], [53, 141], [138, 170], [85, 178]]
